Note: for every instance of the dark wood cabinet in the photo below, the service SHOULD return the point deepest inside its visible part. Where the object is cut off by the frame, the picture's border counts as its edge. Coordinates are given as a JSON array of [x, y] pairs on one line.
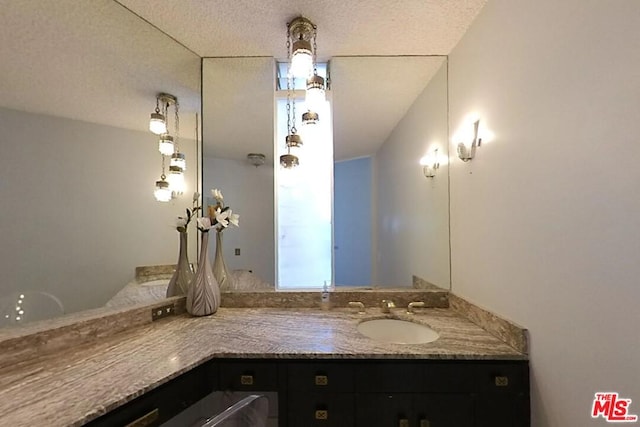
[[355, 392]]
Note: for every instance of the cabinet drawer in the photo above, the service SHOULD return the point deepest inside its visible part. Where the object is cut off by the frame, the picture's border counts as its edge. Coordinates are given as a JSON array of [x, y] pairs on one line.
[[502, 377], [449, 377], [250, 375], [389, 377], [321, 409], [321, 377]]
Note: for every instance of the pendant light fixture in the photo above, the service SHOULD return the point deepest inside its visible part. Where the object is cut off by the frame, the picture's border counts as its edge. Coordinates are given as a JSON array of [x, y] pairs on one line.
[[158, 120], [162, 192], [300, 34], [168, 145], [165, 144]]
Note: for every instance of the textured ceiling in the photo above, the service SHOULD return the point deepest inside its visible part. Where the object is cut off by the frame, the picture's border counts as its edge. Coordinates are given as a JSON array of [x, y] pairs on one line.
[[103, 61], [345, 27]]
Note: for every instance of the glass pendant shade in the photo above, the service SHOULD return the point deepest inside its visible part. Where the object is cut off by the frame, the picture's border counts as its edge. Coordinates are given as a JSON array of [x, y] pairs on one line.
[[176, 180], [310, 118], [315, 94], [289, 161], [157, 124], [178, 160], [165, 144], [162, 192], [301, 59], [293, 140]]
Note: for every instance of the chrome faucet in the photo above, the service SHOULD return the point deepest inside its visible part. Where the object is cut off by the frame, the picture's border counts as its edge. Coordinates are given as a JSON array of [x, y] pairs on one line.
[[387, 305]]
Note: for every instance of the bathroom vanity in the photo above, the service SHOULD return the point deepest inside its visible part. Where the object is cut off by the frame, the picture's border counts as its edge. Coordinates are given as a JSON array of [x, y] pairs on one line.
[[325, 373]]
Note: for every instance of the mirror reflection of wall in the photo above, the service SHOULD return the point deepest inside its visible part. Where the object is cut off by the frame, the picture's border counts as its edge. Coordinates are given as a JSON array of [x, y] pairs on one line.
[[390, 222], [78, 164]]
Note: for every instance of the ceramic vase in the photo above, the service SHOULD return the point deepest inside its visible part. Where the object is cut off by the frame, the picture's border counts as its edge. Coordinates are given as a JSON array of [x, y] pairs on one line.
[[203, 295], [223, 275], [183, 275]]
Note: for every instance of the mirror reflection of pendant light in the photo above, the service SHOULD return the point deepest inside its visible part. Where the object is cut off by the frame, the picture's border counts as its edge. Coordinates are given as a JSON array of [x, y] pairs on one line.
[[165, 144], [176, 180], [158, 120], [174, 184], [162, 192]]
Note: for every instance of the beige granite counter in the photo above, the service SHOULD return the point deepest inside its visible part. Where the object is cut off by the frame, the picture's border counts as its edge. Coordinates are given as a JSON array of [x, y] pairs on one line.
[[71, 387]]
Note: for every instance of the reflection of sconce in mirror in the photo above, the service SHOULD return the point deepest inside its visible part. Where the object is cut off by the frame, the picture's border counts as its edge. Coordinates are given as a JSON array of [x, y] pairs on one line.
[[430, 164], [256, 159], [466, 154]]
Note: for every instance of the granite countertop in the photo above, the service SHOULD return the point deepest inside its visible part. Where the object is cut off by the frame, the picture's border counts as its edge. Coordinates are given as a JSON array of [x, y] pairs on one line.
[[74, 386]]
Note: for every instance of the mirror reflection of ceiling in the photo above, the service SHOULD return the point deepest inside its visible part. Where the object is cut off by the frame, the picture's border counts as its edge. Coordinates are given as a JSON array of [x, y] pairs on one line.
[[74, 59]]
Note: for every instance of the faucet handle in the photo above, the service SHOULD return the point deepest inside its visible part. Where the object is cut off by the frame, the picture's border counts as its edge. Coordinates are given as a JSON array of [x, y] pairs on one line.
[[412, 305], [357, 305]]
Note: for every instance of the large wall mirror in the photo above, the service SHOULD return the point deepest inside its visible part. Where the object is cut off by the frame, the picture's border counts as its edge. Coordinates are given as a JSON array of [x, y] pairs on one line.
[[390, 221], [78, 166]]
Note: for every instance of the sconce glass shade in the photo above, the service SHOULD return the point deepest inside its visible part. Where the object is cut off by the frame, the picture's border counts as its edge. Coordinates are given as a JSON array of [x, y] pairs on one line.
[[315, 95], [176, 181], [310, 118], [178, 160], [289, 161], [301, 59], [162, 192], [157, 124], [165, 144]]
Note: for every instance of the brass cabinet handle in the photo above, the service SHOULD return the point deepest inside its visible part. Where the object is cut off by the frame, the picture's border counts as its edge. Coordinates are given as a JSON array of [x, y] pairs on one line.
[[322, 380], [403, 422], [146, 419], [322, 414], [246, 379], [501, 381], [425, 423]]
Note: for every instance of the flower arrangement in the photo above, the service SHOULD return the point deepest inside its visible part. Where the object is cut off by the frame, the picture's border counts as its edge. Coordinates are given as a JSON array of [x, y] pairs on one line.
[[183, 222], [219, 215]]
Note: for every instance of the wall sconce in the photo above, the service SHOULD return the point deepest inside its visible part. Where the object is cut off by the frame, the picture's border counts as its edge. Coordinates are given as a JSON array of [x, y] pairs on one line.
[[430, 164], [466, 154]]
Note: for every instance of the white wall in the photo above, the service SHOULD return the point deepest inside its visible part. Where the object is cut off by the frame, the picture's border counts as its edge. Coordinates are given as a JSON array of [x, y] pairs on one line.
[[248, 191], [77, 212], [412, 212], [546, 219]]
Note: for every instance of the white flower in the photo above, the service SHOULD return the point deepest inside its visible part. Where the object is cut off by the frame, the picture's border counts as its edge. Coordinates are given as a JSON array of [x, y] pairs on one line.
[[221, 217], [217, 194], [181, 222], [204, 223], [233, 218], [196, 196]]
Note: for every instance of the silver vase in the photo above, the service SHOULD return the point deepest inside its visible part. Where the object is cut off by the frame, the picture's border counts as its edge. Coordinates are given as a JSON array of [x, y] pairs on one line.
[[220, 270], [183, 274], [203, 295]]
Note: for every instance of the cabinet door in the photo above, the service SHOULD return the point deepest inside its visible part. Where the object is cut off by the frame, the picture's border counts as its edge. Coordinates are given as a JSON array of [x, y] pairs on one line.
[[384, 410], [444, 410], [321, 409], [502, 410]]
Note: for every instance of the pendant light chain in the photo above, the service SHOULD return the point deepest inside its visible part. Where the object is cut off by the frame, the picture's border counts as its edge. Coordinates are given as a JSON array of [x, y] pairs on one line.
[[315, 51], [177, 129]]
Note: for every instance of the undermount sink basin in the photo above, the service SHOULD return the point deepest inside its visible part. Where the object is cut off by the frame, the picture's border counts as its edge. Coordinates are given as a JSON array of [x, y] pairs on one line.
[[397, 331]]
